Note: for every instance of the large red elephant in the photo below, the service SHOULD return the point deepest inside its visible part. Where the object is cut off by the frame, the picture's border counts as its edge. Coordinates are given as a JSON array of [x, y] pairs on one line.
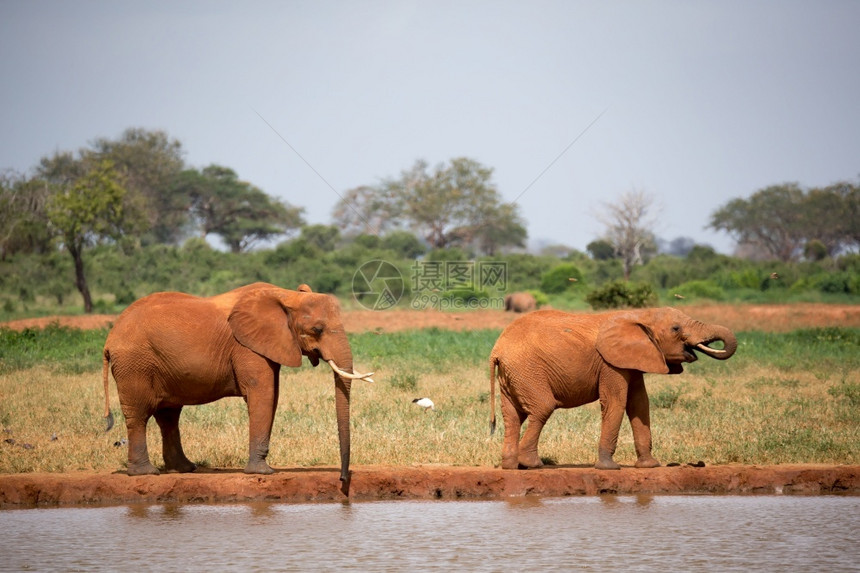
[[169, 350]]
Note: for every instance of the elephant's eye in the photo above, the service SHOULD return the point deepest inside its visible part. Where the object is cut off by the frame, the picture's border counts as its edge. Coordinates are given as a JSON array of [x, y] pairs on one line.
[[316, 330], [676, 328]]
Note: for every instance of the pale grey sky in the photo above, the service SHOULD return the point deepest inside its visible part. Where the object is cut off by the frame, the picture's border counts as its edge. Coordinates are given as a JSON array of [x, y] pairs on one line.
[[704, 101]]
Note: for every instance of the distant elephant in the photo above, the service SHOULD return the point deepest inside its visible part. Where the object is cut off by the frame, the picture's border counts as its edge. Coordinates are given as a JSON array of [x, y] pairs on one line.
[[551, 359], [520, 302], [169, 350]]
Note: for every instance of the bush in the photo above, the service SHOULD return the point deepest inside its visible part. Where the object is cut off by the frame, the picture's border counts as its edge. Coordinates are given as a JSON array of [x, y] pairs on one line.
[[557, 280], [841, 282], [701, 289], [620, 294], [523, 270], [540, 298]]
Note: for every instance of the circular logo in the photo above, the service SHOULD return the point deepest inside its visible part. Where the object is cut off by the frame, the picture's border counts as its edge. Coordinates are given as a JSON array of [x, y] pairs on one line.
[[377, 285]]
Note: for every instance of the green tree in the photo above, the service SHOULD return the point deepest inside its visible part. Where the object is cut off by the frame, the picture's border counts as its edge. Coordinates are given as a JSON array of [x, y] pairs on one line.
[[235, 210], [148, 162], [91, 208], [600, 250], [322, 237], [772, 219], [403, 243]]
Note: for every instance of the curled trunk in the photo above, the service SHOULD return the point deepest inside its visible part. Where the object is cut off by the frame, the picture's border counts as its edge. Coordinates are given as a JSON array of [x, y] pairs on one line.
[[730, 343]]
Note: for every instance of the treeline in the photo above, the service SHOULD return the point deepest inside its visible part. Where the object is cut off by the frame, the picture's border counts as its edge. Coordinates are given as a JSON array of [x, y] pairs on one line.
[[124, 217], [323, 258]]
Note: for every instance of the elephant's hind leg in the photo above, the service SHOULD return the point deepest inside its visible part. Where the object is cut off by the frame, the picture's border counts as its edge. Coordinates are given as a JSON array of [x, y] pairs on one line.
[[528, 457], [171, 442], [138, 454], [513, 423]]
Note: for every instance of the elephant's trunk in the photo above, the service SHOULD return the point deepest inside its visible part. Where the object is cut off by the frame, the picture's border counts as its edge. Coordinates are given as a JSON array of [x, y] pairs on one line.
[[341, 365], [341, 404], [730, 343]]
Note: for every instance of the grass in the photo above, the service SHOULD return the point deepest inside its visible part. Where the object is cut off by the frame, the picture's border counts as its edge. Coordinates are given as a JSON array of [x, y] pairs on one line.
[[783, 398]]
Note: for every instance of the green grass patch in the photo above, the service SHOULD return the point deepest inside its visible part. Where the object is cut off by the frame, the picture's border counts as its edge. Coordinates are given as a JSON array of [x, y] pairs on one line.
[[65, 350]]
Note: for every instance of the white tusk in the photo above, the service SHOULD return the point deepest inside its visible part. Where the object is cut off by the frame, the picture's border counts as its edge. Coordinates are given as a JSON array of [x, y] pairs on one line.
[[704, 348], [351, 376]]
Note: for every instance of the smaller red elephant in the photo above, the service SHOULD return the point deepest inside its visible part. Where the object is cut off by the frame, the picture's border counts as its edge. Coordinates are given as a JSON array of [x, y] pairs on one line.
[[550, 359]]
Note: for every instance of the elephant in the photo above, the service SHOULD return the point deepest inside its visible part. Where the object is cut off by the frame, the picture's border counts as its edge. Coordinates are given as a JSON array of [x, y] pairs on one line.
[[520, 302], [551, 359], [169, 350]]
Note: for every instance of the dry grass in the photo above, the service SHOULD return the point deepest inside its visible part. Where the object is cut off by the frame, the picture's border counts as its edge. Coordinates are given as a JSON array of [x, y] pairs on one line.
[[753, 413]]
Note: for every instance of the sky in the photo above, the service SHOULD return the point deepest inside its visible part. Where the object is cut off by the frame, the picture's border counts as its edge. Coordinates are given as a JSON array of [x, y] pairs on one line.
[[571, 103]]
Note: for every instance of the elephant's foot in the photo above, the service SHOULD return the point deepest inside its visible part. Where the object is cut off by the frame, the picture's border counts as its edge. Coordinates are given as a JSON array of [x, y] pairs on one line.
[[604, 459], [647, 462], [510, 464], [183, 467], [530, 461], [258, 467], [142, 469]]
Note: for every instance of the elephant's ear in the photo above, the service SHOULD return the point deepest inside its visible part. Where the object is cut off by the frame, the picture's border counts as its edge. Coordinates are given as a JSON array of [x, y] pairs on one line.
[[624, 342], [260, 321]]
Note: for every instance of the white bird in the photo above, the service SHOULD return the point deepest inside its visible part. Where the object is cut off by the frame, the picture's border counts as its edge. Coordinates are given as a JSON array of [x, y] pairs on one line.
[[425, 403]]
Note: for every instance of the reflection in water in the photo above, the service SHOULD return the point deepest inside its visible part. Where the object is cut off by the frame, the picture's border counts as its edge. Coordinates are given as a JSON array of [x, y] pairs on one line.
[[755, 533]]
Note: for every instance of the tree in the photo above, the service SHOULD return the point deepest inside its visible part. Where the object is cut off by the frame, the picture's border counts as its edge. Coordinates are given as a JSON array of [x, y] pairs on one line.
[[90, 208], [771, 218], [601, 250], [781, 220], [148, 162], [368, 210], [628, 224], [238, 212], [23, 221], [830, 218], [450, 205]]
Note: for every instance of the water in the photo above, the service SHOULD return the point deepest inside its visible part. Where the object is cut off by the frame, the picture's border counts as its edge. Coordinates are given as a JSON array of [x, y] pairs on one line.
[[639, 533]]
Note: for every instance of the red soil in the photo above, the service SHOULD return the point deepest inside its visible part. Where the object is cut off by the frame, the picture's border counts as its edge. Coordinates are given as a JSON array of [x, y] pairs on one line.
[[419, 482], [739, 317]]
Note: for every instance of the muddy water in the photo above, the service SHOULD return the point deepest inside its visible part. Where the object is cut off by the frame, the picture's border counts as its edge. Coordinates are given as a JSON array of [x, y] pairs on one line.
[[646, 533]]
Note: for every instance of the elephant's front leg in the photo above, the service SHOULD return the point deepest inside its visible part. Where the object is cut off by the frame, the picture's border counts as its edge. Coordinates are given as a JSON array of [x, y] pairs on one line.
[[171, 442], [638, 411], [262, 399], [612, 390]]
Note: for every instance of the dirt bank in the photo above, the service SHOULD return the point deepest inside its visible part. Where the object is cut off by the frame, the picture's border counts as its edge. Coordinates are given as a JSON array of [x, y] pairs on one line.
[[420, 482]]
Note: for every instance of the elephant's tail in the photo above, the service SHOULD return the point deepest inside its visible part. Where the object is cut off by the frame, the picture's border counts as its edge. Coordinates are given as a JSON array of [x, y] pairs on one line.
[[105, 376], [493, 362]]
